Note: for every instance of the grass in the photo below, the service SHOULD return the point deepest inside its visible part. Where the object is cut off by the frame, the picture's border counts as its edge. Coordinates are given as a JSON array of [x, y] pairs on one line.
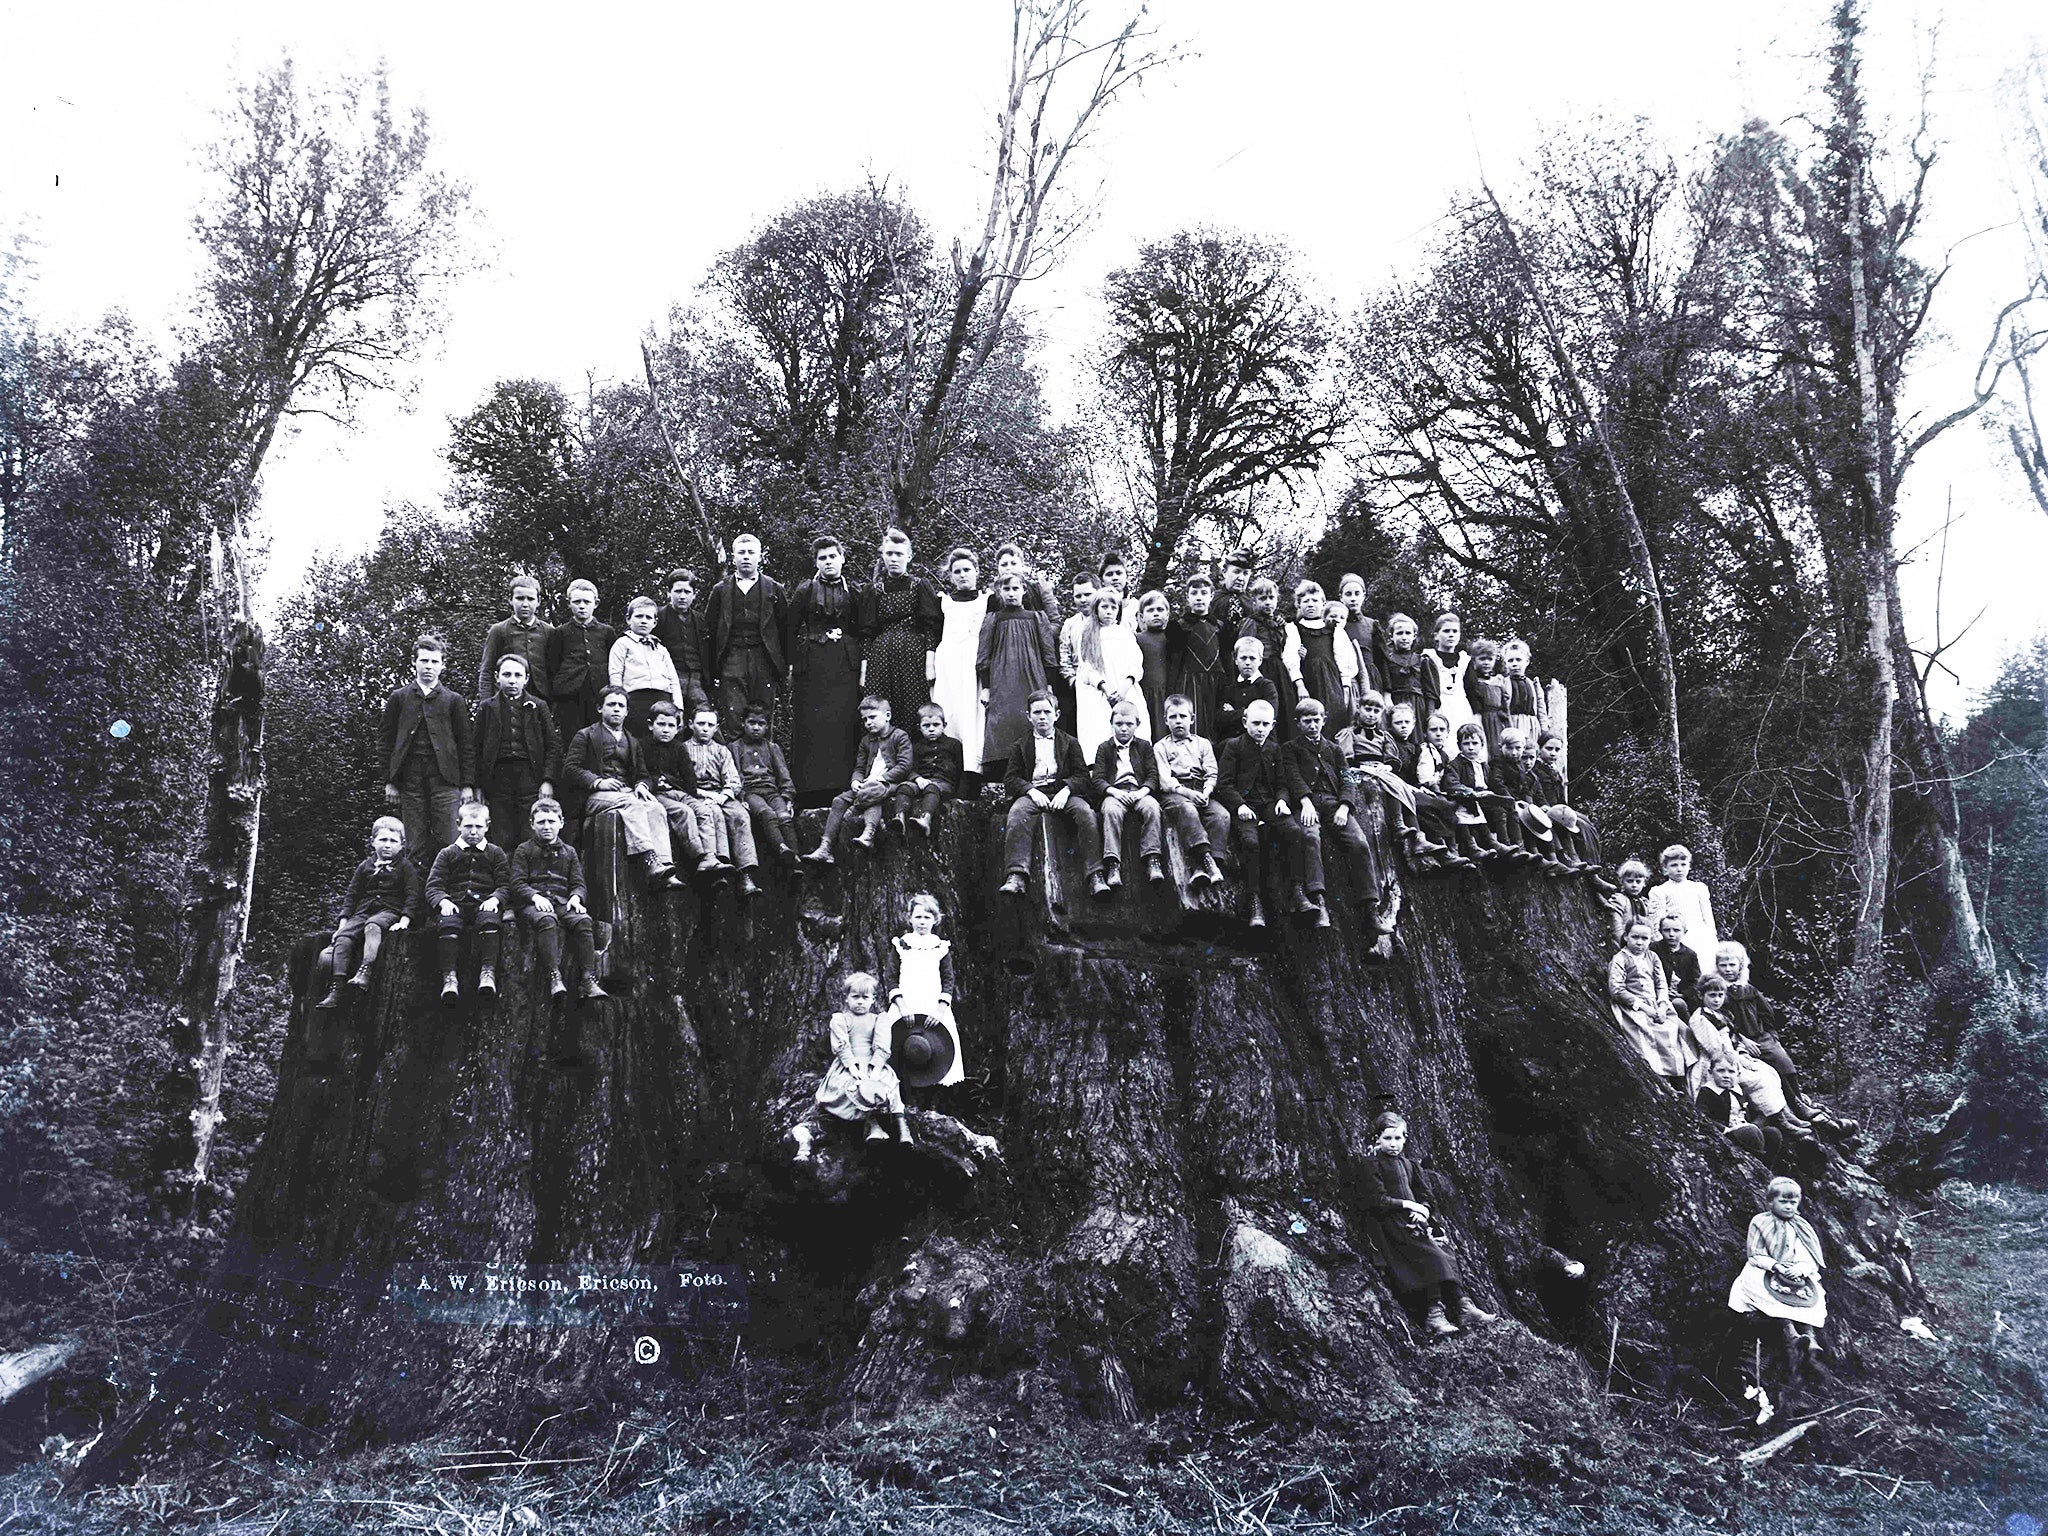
[[1959, 1449]]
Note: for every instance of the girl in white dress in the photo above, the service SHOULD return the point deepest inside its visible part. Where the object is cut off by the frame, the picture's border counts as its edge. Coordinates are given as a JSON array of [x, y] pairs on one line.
[[860, 1086], [955, 687], [924, 978], [1111, 669], [1688, 899]]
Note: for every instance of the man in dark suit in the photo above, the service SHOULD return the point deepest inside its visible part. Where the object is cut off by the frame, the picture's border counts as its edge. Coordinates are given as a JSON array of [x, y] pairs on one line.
[[429, 753], [1124, 772], [1047, 773], [518, 751], [743, 622], [579, 663]]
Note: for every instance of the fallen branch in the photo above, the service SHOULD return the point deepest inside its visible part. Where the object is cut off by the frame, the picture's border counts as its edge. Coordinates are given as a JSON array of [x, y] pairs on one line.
[[1758, 1454]]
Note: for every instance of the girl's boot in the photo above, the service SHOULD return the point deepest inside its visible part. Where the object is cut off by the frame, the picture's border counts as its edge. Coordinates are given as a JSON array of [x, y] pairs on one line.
[[903, 1130]]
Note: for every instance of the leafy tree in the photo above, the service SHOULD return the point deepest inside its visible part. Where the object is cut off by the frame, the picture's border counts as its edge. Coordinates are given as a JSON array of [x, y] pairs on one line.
[[1213, 371], [2001, 759]]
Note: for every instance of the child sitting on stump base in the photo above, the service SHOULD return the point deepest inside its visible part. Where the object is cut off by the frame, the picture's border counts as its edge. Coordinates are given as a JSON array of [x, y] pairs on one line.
[[860, 1085], [381, 895], [1421, 1270], [1781, 1279], [470, 887], [547, 885]]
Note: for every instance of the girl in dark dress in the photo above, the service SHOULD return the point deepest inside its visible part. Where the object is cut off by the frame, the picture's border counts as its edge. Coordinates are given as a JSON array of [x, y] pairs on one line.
[[1313, 656], [1418, 1267], [1018, 655], [825, 665], [1488, 692], [1401, 666], [1154, 614], [1195, 663], [900, 627]]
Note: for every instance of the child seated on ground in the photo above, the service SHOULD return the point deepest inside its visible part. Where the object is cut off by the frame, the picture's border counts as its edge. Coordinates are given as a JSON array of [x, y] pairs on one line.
[[1187, 778], [718, 803], [1688, 898], [548, 890], [924, 980], [769, 791], [470, 887], [1247, 685], [1123, 774], [937, 763], [1781, 1278], [881, 762], [1642, 1006], [382, 894], [606, 764], [1717, 1095], [860, 1086], [1248, 789], [1420, 1268]]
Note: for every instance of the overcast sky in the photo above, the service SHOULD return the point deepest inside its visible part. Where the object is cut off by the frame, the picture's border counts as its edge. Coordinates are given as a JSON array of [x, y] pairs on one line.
[[615, 150]]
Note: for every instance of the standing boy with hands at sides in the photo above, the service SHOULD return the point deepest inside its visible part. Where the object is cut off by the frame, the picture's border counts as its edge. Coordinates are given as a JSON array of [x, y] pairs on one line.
[[518, 751], [681, 630], [1047, 773], [469, 887], [642, 666], [547, 885], [579, 662], [429, 752], [524, 634]]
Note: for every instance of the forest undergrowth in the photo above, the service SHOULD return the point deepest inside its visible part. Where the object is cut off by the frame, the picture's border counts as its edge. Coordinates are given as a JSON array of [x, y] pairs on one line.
[[741, 1449]]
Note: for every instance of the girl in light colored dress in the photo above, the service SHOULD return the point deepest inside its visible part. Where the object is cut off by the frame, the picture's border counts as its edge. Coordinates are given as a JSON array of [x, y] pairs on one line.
[[860, 1085], [1111, 668], [1444, 667], [1642, 1007], [955, 688], [1782, 1276], [924, 979]]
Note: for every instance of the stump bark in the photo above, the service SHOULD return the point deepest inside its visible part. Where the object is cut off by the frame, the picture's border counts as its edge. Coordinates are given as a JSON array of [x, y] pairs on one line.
[[1145, 1193]]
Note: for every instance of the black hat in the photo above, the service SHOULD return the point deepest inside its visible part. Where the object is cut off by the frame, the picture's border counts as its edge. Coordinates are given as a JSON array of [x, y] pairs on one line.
[[921, 1049], [1239, 557]]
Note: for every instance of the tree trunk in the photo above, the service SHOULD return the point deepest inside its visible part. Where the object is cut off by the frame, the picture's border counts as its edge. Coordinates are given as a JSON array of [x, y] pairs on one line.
[[222, 872], [1147, 1191]]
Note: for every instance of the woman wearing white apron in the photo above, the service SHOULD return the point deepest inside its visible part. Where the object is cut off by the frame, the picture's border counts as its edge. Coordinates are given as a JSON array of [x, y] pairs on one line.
[[956, 689], [924, 979]]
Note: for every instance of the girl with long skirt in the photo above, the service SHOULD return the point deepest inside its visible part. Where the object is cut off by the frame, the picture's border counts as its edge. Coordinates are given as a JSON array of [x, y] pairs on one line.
[[1642, 1007], [825, 683], [1018, 655], [1781, 1277], [1320, 666], [1421, 1270], [1153, 616], [900, 627], [956, 688], [1195, 663]]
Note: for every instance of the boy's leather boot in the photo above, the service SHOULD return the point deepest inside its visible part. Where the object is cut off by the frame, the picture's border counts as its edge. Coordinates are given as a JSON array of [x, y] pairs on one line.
[[451, 989], [487, 979], [556, 986], [590, 991]]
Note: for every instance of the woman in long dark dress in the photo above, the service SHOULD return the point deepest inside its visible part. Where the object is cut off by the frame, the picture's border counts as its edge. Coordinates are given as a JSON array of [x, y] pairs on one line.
[[824, 660], [1195, 662], [1417, 1267], [901, 622]]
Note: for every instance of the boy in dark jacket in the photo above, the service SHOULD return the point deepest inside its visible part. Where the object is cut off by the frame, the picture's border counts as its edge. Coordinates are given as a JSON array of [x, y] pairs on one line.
[[1245, 686], [880, 763], [524, 634], [770, 790], [428, 753], [1124, 772], [470, 887], [518, 751], [547, 886], [579, 662], [1046, 772], [937, 762], [607, 767], [1313, 771], [381, 896], [681, 629], [1248, 788]]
